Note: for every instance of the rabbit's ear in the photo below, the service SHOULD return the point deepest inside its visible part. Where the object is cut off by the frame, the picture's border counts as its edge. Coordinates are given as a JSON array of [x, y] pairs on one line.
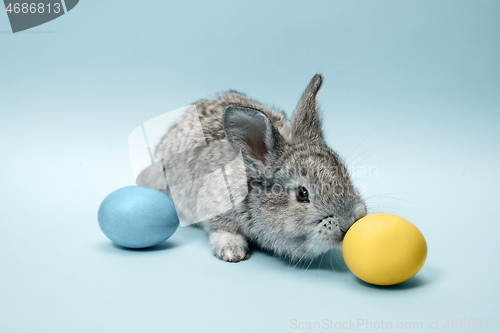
[[250, 132], [306, 119]]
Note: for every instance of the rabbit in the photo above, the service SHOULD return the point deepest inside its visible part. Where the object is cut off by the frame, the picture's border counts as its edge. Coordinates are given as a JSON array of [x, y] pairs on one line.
[[296, 199]]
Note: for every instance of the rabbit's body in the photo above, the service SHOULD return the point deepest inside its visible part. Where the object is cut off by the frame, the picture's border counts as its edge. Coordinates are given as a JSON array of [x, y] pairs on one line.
[[297, 200]]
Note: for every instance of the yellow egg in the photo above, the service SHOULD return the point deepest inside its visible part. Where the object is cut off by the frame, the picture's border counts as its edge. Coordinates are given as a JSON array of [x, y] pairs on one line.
[[384, 249]]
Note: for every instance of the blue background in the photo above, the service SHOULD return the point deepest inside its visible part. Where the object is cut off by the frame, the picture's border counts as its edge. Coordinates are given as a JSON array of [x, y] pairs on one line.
[[412, 88]]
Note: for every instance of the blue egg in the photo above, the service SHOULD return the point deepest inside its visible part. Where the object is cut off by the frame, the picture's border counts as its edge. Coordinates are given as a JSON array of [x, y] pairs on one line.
[[137, 217]]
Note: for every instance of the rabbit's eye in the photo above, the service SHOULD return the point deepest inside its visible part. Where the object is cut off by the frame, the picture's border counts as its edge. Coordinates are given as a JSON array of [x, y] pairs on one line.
[[302, 194]]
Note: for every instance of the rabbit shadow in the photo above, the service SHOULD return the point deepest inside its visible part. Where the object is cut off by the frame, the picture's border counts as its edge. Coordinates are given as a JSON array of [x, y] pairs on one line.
[[331, 261]]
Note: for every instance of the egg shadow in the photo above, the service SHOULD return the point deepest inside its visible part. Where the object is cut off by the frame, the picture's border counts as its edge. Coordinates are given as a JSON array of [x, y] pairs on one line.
[[414, 282], [167, 245]]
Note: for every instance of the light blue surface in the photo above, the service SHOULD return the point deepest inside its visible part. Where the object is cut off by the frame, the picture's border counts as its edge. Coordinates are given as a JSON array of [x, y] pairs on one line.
[[411, 88], [136, 217]]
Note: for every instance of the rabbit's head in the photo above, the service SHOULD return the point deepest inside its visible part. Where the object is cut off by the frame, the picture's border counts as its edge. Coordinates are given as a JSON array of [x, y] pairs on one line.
[[301, 200]]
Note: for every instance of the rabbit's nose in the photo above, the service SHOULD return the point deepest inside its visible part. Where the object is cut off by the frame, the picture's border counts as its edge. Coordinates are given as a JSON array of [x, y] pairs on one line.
[[345, 226]]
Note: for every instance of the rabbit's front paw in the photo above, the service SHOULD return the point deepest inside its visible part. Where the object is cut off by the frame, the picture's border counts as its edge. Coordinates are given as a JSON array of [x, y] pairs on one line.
[[229, 246]]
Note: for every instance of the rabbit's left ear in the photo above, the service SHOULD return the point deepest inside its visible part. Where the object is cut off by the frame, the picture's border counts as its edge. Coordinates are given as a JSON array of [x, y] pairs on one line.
[[306, 119], [250, 133]]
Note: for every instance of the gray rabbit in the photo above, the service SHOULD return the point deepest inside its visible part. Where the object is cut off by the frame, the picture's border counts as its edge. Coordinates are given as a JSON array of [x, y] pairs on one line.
[[296, 199]]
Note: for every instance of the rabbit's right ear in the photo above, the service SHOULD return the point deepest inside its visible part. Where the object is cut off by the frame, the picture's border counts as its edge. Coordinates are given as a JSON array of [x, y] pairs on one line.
[[306, 119], [250, 133]]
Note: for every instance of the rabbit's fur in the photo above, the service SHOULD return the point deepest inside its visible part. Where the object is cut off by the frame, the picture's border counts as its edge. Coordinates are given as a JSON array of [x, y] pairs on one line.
[[281, 157]]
